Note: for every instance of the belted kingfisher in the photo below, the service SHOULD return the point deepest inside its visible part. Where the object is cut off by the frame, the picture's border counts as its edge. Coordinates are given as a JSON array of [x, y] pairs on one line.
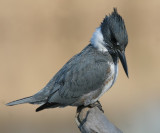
[[89, 74]]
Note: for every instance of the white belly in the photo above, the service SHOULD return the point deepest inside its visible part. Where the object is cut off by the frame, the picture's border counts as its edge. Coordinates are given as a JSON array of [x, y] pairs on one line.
[[109, 81], [91, 97]]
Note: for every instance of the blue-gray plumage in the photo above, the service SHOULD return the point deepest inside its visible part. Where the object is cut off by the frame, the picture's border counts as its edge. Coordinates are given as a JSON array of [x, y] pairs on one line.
[[89, 74]]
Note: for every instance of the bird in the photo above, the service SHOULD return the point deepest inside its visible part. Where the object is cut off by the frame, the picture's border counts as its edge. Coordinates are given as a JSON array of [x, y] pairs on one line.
[[88, 74]]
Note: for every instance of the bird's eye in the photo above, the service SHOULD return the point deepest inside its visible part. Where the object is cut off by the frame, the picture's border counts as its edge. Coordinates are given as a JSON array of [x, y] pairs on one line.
[[113, 39]]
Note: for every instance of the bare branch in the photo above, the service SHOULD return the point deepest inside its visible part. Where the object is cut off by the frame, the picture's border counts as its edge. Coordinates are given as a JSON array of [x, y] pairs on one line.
[[92, 120]]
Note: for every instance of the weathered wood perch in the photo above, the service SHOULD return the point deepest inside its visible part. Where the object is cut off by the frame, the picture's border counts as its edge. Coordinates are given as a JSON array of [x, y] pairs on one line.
[[91, 119]]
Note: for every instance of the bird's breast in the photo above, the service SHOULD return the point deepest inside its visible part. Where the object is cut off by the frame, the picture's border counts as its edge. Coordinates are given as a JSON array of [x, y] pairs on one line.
[[110, 80], [93, 96]]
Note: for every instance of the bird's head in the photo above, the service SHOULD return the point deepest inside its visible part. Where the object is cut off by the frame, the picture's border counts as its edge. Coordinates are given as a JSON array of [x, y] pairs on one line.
[[112, 36]]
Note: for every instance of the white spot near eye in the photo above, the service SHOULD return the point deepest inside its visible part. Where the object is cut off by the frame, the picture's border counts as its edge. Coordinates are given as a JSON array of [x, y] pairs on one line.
[[118, 44], [97, 40]]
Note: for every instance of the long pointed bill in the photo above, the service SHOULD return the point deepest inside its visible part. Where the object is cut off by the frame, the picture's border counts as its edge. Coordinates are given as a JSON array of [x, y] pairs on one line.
[[122, 57]]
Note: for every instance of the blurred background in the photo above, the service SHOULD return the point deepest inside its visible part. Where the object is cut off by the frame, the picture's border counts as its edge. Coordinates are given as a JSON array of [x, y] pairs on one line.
[[38, 37]]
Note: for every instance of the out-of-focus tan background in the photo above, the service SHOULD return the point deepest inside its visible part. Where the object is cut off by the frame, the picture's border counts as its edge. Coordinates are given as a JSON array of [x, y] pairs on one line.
[[37, 37]]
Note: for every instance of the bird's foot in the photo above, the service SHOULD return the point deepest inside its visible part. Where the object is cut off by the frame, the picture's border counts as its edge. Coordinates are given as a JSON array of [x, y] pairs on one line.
[[96, 104]]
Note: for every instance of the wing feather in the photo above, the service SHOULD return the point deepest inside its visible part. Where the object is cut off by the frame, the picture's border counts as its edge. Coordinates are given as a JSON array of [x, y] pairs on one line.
[[84, 73]]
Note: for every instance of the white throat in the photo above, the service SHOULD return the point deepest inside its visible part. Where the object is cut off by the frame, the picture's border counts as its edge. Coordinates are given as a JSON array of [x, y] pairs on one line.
[[97, 40]]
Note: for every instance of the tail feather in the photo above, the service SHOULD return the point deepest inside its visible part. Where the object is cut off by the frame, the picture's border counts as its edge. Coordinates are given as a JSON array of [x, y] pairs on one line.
[[21, 101], [47, 105]]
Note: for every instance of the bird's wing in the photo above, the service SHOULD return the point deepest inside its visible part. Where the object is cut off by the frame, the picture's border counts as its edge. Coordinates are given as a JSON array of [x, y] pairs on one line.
[[84, 73]]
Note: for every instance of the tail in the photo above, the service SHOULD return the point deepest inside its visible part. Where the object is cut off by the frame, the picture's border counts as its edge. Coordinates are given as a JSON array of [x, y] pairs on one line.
[[21, 101], [47, 105]]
